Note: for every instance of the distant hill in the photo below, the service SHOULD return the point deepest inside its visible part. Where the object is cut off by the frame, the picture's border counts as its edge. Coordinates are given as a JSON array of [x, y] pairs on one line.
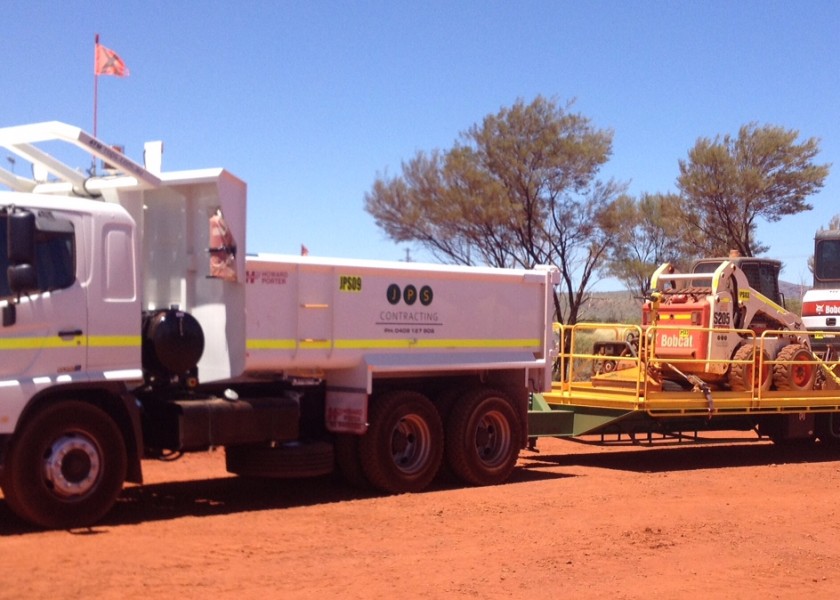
[[793, 291]]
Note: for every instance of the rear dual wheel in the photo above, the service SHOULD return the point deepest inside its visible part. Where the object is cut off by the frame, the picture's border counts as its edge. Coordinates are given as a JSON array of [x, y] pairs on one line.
[[482, 438], [403, 447]]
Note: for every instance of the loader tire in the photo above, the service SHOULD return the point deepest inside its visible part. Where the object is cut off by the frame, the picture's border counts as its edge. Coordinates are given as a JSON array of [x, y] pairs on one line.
[[744, 376], [793, 372]]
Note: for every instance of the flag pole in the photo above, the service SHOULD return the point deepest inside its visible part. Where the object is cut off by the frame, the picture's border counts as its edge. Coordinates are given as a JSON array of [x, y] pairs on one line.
[[95, 83], [95, 100]]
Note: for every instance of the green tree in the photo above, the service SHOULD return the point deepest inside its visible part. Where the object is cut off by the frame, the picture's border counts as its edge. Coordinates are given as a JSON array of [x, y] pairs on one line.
[[652, 233], [728, 184], [519, 189]]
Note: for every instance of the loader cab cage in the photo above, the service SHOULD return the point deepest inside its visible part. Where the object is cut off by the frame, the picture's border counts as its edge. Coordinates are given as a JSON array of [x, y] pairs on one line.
[[762, 273], [827, 259]]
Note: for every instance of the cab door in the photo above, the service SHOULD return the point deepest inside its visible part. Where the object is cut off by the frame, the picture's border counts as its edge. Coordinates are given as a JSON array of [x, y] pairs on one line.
[[43, 335]]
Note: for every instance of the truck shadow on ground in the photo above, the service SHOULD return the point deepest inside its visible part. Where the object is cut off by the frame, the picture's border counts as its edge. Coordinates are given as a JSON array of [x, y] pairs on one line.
[[685, 456], [231, 495]]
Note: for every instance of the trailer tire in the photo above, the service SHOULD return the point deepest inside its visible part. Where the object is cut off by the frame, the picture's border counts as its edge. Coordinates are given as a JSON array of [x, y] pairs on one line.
[[347, 460], [66, 466], [796, 374], [828, 429], [403, 448], [742, 374], [482, 438]]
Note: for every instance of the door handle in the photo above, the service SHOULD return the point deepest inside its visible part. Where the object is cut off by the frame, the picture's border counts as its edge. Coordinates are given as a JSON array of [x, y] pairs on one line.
[[70, 333]]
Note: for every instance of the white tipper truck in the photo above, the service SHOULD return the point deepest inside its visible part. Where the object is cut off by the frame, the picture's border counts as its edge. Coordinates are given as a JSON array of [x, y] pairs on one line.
[[134, 326]]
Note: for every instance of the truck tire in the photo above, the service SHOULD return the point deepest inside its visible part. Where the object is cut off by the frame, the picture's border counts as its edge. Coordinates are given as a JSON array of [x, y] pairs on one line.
[[289, 460], [795, 374], [482, 438], [403, 447], [65, 467], [347, 460], [743, 376]]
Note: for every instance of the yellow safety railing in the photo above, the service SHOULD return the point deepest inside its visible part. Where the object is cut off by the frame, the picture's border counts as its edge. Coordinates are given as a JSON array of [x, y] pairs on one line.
[[577, 362]]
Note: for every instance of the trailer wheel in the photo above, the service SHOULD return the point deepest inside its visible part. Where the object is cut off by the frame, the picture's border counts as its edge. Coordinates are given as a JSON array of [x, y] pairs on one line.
[[796, 374], [745, 376], [66, 466], [403, 447], [828, 429], [482, 438]]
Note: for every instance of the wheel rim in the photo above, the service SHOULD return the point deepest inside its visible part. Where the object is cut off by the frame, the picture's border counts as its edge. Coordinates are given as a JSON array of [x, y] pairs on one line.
[[801, 373], [410, 444], [492, 438], [72, 465]]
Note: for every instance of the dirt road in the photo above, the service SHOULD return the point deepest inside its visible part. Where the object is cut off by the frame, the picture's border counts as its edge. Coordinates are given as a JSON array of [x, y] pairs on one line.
[[720, 519]]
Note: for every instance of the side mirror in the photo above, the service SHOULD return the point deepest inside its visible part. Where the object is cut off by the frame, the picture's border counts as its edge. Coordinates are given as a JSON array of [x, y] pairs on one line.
[[9, 315], [21, 237], [23, 279]]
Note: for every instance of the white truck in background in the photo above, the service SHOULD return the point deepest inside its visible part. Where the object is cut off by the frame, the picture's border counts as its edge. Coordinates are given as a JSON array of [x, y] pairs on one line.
[[821, 304], [134, 326]]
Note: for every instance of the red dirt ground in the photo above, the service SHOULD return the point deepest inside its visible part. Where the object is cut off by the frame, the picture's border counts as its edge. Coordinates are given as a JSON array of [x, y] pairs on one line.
[[718, 519]]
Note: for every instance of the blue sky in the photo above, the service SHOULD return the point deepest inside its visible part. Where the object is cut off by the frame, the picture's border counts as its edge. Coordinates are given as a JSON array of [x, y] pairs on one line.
[[309, 101]]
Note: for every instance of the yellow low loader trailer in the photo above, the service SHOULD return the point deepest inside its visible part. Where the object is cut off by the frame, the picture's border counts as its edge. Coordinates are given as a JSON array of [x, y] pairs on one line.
[[634, 393]]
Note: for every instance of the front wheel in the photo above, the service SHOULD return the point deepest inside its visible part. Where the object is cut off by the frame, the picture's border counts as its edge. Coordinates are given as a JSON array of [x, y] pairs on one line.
[[66, 467], [482, 438], [403, 447], [794, 371]]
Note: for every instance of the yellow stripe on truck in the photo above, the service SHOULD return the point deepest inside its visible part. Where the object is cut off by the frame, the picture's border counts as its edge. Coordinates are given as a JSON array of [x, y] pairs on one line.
[[53, 341]]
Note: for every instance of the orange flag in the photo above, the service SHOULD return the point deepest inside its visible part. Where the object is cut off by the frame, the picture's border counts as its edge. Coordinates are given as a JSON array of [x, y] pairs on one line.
[[107, 62]]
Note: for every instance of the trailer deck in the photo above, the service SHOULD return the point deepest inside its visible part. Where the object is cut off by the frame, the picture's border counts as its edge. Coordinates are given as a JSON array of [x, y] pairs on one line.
[[630, 397]]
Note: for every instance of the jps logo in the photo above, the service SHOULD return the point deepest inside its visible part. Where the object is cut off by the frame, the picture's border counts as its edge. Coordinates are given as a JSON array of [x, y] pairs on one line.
[[409, 294]]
